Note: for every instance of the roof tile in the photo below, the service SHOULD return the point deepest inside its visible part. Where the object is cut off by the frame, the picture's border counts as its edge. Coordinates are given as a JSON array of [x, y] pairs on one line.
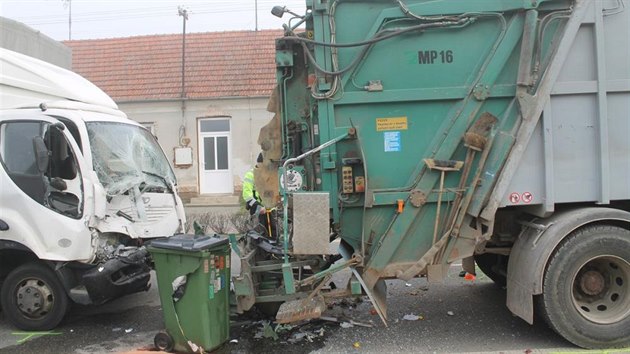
[[218, 64]]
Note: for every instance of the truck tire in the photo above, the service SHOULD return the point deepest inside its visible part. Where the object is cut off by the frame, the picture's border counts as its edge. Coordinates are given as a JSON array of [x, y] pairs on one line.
[[494, 266], [586, 296], [33, 298]]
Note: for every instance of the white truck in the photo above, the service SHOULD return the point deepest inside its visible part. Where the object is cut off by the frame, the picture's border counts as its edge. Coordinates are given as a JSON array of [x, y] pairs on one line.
[[82, 187]]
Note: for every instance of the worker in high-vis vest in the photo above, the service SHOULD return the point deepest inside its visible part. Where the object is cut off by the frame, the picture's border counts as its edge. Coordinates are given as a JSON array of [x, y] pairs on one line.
[[254, 205]]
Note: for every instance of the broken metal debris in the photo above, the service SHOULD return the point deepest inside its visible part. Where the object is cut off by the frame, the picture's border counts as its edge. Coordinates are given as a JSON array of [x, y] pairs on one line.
[[345, 323], [289, 333], [308, 335]]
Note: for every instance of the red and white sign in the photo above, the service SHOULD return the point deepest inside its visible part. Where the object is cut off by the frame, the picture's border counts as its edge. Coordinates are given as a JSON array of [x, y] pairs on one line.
[[515, 198], [527, 197]]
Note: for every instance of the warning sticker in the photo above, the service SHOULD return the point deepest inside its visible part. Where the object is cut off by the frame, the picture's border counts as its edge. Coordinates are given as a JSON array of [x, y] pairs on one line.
[[393, 123], [392, 141], [515, 198], [527, 197]]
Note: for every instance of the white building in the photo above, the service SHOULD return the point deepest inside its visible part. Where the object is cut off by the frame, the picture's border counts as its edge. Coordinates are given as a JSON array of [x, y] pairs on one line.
[[209, 126]]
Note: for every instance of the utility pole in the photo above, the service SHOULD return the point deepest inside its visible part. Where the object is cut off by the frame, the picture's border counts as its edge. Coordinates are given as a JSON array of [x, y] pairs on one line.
[[183, 12], [256, 13], [69, 4]]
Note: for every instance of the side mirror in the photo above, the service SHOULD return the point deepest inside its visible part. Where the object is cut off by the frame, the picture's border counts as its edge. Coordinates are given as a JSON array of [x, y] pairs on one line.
[[278, 11], [42, 155]]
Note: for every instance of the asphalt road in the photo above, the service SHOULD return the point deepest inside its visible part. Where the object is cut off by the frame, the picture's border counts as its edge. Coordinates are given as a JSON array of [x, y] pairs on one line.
[[455, 317]]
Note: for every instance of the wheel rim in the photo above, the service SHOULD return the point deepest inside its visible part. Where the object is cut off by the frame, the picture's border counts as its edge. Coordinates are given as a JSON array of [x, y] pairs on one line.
[[600, 289], [34, 298]]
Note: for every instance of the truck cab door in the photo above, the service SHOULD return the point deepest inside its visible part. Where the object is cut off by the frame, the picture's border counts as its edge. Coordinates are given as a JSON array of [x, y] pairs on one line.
[[47, 194], [64, 192]]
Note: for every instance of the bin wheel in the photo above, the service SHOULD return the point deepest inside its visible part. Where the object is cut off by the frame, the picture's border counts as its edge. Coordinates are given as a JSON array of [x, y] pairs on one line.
[[164, 342]]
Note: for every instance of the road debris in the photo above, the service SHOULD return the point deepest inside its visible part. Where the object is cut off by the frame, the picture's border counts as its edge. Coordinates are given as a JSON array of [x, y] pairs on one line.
[[348, 322], [129, 330], [450, 313], [305, 334], [346, 325], [234, 341], [469, 277], [297, 337], [269, 332], [411, 317], [356, 345]]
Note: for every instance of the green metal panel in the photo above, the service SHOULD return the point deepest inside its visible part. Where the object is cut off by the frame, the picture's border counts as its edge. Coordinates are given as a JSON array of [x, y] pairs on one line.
[[435, 75]]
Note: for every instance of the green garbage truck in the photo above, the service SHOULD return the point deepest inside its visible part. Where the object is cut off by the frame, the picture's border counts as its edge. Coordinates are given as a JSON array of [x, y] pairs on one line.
[[419, 133]]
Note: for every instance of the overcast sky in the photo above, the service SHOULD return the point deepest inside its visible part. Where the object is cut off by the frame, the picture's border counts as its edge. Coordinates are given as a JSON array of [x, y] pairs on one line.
[[123, 18]]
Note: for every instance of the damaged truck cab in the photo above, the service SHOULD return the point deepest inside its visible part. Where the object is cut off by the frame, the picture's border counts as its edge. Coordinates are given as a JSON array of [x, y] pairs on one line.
[[82, 187]]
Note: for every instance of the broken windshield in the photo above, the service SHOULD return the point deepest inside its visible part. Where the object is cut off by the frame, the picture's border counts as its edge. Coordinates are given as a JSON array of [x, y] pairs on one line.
[[125, 156]]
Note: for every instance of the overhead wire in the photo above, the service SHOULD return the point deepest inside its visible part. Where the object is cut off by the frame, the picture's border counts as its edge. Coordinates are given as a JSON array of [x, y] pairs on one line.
[[128, 16], [160, 11]]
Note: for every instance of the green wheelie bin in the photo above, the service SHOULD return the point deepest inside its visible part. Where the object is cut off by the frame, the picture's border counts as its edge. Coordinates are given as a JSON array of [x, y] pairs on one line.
[[193, 275]]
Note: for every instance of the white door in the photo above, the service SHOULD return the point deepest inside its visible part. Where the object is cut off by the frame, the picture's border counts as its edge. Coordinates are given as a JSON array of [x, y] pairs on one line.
[[215, 175]]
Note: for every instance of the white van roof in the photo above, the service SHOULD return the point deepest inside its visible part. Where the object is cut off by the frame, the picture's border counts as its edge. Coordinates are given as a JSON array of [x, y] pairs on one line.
[[28, 82]]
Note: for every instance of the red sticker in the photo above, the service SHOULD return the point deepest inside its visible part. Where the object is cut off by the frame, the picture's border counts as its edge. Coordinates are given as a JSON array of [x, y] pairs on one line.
[[527, 197], [515, 198]]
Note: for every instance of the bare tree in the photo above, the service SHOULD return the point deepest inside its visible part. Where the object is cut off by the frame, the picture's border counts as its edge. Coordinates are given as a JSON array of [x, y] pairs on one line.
[[242, 222], [202, 219], [219, 223]]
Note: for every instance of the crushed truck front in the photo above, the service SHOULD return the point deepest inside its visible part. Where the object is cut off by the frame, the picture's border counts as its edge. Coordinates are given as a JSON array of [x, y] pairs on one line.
[[83, 188]]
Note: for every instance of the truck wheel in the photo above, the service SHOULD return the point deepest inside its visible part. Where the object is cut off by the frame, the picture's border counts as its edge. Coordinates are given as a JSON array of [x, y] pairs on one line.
[[586, 296], [494, 266], [33, 298]]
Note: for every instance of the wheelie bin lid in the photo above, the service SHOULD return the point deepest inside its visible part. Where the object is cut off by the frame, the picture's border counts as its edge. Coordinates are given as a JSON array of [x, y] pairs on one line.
[[190, 243]]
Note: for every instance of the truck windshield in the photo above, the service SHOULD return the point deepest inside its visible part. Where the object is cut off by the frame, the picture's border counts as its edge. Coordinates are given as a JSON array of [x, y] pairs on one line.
[[126, 156]]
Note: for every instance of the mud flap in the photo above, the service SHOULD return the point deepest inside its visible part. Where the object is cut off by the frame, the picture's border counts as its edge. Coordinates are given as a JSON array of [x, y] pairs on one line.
[[377, 295]]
